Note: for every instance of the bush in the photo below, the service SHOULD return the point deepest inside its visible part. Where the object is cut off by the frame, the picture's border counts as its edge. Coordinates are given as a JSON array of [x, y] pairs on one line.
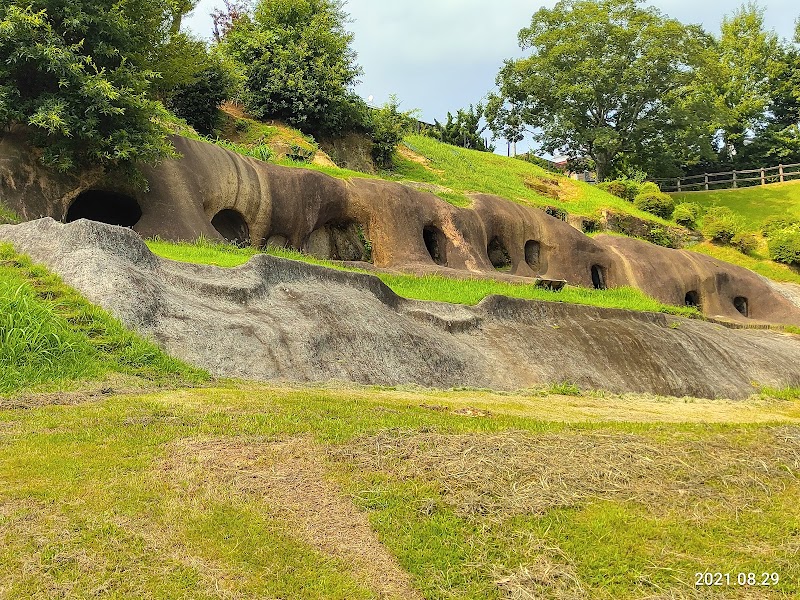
[[615, 188], [198, 101], [297, 62], [627, 189], [784, 245], [648, 187], [687, 214], [79, 79], [657, 203], [744, 242], [721, 224], [774, 224], [387, 128]]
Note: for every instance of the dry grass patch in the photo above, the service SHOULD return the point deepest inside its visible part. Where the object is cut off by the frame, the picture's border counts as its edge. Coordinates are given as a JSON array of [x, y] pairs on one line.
[[290, 477], [519, 473]]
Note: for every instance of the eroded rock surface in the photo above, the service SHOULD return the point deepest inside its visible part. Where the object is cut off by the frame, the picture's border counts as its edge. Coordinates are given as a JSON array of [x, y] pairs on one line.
[[219, 194], [286, 320]]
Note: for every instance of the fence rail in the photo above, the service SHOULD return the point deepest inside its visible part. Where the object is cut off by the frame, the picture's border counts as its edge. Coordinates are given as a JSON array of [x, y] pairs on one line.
[[730, 179]]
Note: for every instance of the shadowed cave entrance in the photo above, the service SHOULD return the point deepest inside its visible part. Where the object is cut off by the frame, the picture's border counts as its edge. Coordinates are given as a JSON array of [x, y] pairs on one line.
[[106, 207], [342, 240], [498, 255], [231, 225], [692, 299], [533, 255], [598, 277], [436, 243], [740, 303]]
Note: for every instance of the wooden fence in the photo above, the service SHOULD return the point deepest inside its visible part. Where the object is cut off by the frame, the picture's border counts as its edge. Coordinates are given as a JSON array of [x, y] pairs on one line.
[[730, 179]]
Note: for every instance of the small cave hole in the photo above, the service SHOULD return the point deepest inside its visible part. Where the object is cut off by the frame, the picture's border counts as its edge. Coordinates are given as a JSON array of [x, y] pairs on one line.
[[692, 299], [340, 240], [436, 243], [231, 225], [498, 255], [740, 303], [533, 255], [598, 277], [106, 207]]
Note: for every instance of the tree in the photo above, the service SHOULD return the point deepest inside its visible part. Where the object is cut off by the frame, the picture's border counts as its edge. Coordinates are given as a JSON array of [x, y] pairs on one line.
[[603, 79], [747, 60], [464, 129], [297, 62], [77, 75], [198, 100]]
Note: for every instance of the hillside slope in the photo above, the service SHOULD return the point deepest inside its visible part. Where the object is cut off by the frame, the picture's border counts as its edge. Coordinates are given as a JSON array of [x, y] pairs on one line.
[[285, 320]]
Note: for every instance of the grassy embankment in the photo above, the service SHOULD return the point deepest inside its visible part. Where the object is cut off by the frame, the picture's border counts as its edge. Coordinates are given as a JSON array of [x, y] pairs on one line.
[[50, 335], [452, 172], [754, 205], [429, 287]]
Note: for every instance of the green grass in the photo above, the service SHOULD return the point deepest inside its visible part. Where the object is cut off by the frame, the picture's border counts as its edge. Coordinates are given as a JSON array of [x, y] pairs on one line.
[[7, 216], [757, 262], [49, 335], [754, 204], [171, 495], [464, 170], [429, 287]]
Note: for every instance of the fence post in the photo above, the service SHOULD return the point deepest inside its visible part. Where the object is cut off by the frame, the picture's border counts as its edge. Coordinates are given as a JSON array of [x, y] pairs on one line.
[[735, 185], [706, 180], [679, 184], [763, 180], [780, 170]]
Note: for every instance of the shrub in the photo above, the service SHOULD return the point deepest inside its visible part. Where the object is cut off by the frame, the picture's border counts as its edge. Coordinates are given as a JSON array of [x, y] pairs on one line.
[[687, 214], [777, 224], [297, 61], [198, 101], [721, 224], [745, 242], [657, 203], [615, 188], [627, 189], [387, 129], [784, 245], [648, 187]]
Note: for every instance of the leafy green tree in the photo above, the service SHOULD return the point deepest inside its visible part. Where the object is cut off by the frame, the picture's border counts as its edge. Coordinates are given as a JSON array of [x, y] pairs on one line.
[[76, 74], [198, 100], [747, 60], [297, 62], [603, 79], [464, 129]]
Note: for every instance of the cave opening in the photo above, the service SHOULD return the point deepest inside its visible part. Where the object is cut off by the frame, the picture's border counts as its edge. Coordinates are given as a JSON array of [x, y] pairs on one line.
[[103, 206], [231, 225]]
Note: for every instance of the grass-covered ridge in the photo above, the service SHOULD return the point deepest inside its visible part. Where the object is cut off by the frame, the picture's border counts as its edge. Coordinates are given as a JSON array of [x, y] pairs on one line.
[[429, 287], [50, 335], [217, 493], [755, 204]]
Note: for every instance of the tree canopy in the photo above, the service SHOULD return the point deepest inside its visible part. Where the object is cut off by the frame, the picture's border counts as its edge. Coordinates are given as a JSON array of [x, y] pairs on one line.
[[77, 74], [603, 79], [297, 62]]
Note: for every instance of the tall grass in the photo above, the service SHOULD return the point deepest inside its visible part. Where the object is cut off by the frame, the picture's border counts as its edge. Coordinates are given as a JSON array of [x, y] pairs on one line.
[[50, 334], [429, 287]]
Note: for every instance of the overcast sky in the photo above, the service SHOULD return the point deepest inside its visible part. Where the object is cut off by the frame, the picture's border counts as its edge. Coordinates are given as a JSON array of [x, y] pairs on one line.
[[440, 55]]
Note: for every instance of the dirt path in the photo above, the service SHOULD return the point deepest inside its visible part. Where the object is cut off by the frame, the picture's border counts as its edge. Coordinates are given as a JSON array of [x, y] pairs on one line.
[[291, 477]]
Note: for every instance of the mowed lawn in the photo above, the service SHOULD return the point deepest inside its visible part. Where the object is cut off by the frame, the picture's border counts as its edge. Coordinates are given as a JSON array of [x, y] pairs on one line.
[[267, 491], [755, 204]]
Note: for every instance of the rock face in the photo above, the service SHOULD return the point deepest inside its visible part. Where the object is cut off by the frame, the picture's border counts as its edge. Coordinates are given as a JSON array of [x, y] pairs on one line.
[[285, 320], [216, 193]]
